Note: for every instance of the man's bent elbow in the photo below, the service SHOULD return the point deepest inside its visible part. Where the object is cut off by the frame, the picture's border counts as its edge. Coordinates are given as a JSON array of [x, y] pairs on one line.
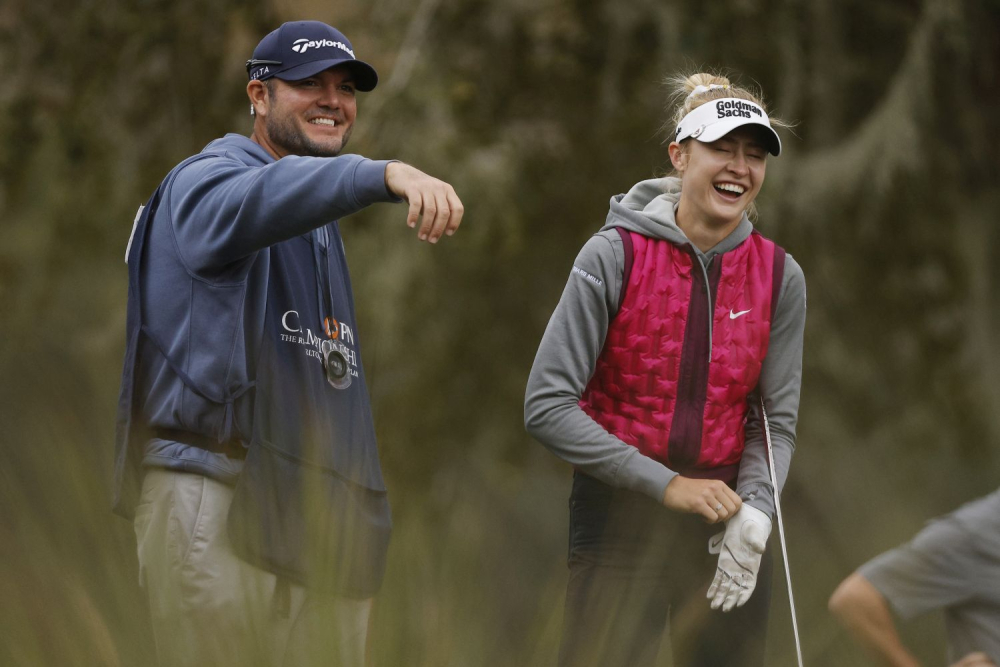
[[852, 597]]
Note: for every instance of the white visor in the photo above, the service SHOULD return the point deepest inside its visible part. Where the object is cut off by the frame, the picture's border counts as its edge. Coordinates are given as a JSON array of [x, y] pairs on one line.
[[717, 118]]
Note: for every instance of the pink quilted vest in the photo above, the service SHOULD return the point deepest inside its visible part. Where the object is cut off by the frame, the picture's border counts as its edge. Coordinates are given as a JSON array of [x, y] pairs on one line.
[[652, 387]]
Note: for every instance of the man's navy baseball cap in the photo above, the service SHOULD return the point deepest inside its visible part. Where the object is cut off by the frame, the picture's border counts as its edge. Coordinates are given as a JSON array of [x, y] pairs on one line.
[[300, 49]]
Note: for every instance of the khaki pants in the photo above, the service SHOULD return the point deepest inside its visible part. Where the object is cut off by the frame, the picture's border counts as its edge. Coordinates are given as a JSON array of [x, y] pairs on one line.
[[211, 609]]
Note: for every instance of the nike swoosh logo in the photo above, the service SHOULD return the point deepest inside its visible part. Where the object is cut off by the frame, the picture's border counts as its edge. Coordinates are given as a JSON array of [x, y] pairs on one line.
[[733, 315], [715, 542]]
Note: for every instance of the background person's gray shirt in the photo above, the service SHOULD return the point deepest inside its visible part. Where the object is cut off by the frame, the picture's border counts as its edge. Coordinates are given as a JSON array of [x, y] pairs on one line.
[[953, 564]]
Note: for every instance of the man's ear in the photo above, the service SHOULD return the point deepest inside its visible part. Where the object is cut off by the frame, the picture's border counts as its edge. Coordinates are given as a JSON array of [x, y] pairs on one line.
[[259, 100], [678, 156]]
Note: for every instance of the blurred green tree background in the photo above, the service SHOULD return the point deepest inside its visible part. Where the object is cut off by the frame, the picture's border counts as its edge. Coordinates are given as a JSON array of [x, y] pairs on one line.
[[537, 111]]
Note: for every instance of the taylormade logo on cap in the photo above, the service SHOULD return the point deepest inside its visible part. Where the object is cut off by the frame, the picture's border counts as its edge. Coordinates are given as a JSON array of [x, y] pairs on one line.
[[302, 45]]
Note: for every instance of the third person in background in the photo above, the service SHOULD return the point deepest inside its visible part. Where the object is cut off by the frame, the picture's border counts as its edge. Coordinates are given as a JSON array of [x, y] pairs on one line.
[[953, 564]]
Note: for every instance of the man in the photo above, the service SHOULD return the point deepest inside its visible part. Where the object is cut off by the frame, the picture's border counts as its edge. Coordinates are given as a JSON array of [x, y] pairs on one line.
[[953, 564], [245, 445]]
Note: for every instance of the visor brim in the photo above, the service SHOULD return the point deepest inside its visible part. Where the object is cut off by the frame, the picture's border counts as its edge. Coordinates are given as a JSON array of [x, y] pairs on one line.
[[721, 128], [365, 77]]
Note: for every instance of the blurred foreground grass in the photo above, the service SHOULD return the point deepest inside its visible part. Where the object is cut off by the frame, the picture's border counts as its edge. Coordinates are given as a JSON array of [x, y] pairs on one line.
[[476, 574]]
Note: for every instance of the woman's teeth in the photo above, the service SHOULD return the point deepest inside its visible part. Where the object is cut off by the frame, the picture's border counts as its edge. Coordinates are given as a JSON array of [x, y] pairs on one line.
[[730, 187]]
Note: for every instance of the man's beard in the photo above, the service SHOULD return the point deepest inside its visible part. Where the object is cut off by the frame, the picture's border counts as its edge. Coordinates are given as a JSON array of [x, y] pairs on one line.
[[286, 134]]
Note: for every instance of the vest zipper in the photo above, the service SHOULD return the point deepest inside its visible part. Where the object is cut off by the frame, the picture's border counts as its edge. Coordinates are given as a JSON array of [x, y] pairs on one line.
[[708, 295], [684, 442]]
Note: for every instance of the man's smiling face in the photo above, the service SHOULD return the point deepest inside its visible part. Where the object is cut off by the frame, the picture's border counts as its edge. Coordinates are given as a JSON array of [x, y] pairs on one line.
[[312, 116]]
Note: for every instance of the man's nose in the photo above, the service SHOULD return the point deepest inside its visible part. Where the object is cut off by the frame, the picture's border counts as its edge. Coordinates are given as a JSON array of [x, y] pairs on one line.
[[330, 97]]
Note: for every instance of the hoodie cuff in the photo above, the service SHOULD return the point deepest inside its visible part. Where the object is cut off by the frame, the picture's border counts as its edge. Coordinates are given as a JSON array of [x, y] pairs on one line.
[[644, 475], [758, 495], [369, 183]]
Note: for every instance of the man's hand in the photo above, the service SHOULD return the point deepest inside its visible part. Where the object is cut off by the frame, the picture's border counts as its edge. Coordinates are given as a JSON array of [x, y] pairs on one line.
[[710, 498], [739, 560], [975, 660], [428, 197]]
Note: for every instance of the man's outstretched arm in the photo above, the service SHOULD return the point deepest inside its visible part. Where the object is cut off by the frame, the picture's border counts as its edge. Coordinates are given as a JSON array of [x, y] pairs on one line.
[[864, 612], [223, 211]]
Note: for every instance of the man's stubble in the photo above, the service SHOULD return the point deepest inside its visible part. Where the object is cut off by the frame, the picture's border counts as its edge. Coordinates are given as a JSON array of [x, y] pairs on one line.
[[287, 135]]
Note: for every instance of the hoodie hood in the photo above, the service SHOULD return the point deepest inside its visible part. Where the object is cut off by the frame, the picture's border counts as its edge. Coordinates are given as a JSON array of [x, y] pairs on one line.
[[241, 148], [649, 207]]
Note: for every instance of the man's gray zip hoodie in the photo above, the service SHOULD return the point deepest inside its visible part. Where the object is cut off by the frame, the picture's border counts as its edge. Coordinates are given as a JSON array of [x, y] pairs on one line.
[[574, 339]]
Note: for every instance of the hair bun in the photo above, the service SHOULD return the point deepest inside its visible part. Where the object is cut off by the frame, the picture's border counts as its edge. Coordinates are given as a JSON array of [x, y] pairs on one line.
[[690, 91], [706, 80]]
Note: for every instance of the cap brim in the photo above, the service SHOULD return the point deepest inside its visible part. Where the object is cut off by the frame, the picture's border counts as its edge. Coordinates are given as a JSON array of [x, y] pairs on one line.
[[365, 77], [721, 128]]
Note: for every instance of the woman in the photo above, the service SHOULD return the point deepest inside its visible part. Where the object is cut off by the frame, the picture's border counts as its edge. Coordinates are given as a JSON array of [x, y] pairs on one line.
[[676, 320]]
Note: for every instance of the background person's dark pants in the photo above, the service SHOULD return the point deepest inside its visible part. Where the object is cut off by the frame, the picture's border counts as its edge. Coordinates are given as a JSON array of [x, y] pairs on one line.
[[634, 566]]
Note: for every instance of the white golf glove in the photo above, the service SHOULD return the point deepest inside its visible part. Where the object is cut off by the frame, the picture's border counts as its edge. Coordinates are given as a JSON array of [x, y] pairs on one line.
[[740, 548]]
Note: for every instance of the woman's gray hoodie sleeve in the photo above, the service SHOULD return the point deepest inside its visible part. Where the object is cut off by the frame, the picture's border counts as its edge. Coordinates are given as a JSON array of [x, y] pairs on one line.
[[779, 384], [564, 364]]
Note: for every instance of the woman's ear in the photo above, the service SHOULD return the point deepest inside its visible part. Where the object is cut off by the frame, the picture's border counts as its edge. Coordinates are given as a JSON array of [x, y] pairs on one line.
[[678, 156]]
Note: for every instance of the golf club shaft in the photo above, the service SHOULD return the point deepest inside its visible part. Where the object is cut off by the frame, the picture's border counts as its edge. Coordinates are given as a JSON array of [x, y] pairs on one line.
[[781, 529]]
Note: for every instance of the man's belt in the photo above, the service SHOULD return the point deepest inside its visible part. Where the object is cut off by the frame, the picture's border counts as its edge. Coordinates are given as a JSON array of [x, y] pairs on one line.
[[232, 448]]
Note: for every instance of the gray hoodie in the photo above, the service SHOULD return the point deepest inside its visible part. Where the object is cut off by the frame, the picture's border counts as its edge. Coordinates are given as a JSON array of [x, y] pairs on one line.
[[574, 338]]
